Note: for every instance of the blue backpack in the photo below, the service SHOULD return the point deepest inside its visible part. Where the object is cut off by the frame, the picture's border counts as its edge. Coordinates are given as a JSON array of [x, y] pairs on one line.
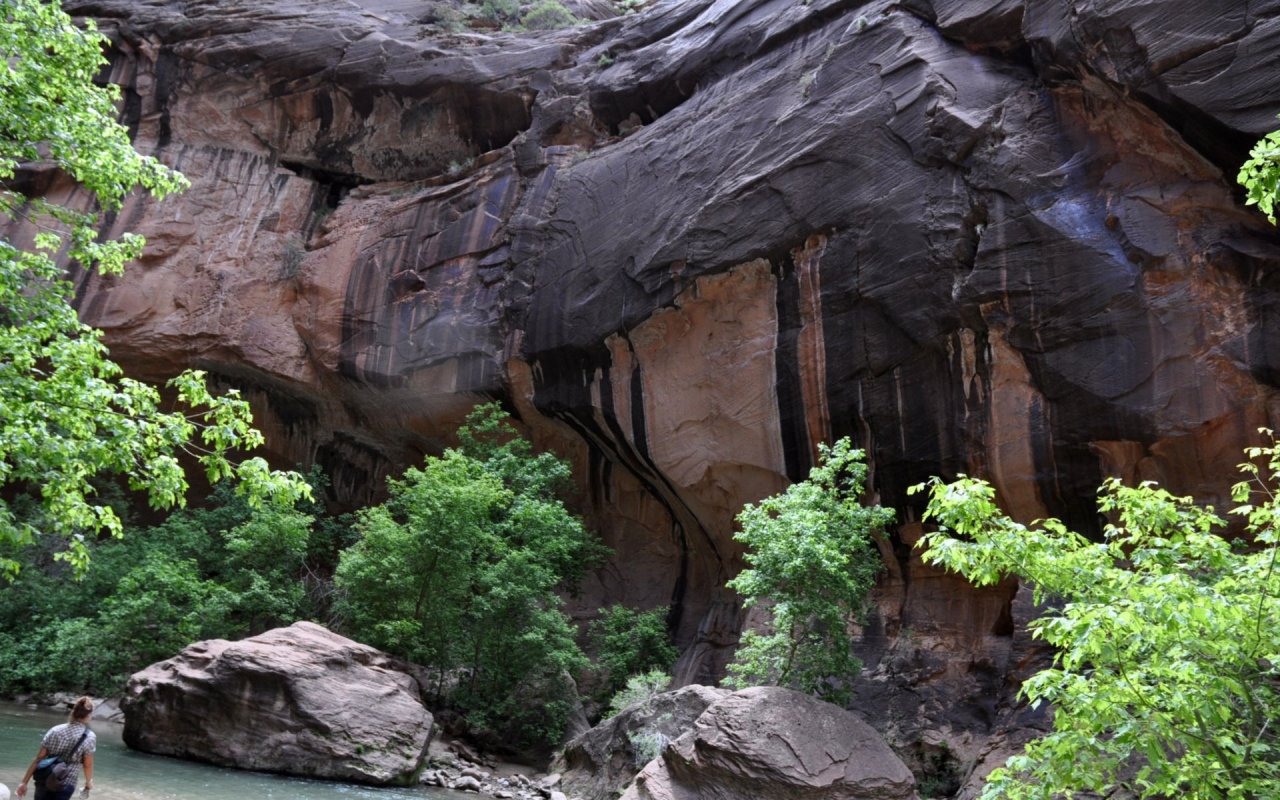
[[51, 772]]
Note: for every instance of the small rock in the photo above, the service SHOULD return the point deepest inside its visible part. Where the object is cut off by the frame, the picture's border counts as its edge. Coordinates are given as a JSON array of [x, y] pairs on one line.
[[466, 784], [550, 781], [557, 796], [430, 778], [504, 795], [475, 772]]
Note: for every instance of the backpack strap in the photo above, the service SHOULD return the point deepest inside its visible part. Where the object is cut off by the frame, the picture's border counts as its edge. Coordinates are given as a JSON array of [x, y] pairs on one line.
[[76, 746]]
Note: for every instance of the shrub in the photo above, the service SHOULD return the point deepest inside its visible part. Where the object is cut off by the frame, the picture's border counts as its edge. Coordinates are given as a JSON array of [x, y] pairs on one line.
[[1260, 175], [646, 746], [445, 16], [227, 571], [638, 689], [548, 15], [503, 12]]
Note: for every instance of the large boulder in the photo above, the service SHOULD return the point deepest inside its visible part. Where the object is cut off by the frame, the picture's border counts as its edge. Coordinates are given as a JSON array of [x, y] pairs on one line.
[[299, 700], [768, 743], [599, 763]]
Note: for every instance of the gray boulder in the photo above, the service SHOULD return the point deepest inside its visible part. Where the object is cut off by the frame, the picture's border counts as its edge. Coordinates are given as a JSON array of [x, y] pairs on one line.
[[601, 762], [768, 743], [298, 700]]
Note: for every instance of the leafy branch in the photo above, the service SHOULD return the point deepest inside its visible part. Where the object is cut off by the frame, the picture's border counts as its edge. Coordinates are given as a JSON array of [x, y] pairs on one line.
[[67, 413], [1165, 677], [1260, 175]]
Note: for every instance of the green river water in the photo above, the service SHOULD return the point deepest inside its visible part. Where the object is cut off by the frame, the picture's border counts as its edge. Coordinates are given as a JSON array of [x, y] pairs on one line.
[[123, 774]]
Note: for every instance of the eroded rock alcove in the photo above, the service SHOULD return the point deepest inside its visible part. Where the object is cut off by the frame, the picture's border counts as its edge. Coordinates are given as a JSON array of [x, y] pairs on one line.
[[988, 236]]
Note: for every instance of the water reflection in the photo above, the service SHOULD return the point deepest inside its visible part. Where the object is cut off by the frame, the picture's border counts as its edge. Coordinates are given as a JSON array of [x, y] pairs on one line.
[[124, 774]]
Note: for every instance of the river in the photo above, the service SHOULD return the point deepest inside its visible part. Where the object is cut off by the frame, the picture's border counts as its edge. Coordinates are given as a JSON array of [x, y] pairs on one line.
[[124, 774]]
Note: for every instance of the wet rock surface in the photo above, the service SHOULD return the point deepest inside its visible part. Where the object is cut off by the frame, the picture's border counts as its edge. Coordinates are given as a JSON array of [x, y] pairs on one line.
[[997, 237], [298, 700]]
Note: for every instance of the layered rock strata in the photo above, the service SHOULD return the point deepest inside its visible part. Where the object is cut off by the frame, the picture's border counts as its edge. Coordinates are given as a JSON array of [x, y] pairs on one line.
[[298, 700], [997, 237]]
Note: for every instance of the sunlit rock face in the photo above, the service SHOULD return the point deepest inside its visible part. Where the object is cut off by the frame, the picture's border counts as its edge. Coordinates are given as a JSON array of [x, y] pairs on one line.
[[688, 245]]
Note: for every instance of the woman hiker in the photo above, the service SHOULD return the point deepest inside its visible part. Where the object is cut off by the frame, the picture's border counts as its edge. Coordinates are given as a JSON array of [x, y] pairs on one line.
[[75, 744]]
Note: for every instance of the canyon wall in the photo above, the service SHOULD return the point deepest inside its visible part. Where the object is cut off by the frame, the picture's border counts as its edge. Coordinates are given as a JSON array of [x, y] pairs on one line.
[[685, 246]]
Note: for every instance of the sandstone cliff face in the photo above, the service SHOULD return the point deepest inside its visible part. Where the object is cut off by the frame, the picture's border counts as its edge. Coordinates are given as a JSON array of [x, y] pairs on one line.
[[990, 236]]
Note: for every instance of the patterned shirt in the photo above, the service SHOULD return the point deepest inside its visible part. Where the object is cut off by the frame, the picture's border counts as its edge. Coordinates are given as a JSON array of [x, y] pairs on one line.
[[59, 740]]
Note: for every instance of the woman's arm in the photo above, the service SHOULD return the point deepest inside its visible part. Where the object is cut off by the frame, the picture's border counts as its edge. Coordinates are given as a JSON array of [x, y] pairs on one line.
[[22, 787], [88, 771]]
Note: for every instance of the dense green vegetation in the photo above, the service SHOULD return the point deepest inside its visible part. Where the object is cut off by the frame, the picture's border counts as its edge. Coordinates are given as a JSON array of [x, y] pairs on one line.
[[67, 415], [460, 572], [629, 643], [227, 570], [1167, 678], [812, 558]]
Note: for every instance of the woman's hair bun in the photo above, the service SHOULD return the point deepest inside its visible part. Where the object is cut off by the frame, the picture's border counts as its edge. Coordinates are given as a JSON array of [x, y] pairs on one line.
[[82, 708]]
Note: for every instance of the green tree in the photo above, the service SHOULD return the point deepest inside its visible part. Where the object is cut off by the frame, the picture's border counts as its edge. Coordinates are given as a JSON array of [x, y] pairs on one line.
[[1260, 175], [459, 571], [811, 555], [67, 414], [629, 643], [1165, 680]]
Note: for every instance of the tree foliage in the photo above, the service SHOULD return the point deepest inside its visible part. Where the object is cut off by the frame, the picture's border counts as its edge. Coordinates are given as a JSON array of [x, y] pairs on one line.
[[67, 414], [1260, 175], [629, 643], [811, 555], [459, 571], [1165, 681], [227, 570]]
